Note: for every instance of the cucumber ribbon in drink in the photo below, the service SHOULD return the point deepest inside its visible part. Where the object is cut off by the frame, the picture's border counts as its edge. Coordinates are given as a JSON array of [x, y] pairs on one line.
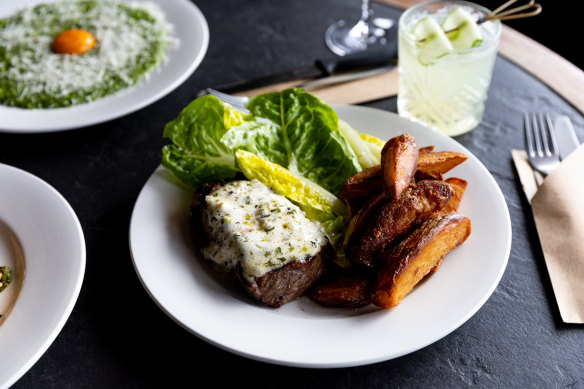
[[457, 31]]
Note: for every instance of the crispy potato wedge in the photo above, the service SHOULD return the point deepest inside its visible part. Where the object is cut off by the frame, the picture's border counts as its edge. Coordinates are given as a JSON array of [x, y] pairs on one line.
[[459, 185], [391, 219], [361, 187], [420, 175], [417, 255], [399, 161], [348, 289], [363, 218], [439, 162], [361, 184], [425, 150], [436, 266]]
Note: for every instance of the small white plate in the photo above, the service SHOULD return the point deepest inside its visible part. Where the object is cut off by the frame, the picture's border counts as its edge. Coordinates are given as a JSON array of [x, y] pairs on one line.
[[302, 333], [190, 27], [37, 220]]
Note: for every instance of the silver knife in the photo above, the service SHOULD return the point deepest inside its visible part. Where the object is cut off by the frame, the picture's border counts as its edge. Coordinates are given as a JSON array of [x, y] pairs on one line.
[[346, 77], [321, 68], [565, 136]]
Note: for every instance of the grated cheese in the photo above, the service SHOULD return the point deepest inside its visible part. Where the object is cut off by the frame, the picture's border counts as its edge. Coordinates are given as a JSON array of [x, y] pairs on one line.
[[132, 40]]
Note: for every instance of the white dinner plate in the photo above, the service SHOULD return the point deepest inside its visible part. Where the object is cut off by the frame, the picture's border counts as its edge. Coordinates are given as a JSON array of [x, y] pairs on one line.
[[42, 238], [190, 27], [302, 333]]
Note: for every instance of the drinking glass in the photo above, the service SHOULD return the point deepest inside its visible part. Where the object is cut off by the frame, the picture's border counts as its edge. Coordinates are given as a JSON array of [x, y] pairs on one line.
[[343, 38], [446, 92]]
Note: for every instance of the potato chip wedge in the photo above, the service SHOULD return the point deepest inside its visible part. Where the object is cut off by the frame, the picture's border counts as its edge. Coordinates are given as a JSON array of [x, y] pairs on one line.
[[361, 187], [392, 219], [459, 185], [399, 161], [439, 162], [348, 289], [417, 255], [420, 175], [363, 218], [425, 150]]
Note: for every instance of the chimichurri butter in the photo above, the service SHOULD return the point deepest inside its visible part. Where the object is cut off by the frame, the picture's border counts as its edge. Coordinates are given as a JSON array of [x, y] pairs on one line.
[[5, 277], [258, 228], [131, 40]]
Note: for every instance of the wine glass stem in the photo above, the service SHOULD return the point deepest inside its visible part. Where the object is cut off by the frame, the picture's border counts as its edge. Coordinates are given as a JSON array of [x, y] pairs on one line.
[[366, 18]]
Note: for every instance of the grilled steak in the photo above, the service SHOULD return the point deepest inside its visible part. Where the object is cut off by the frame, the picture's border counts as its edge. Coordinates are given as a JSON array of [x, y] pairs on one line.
[[261, 238]]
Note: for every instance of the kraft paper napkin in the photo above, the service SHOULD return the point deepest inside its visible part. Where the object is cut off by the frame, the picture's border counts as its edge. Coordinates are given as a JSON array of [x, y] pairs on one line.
[[355, 92], [558, 209]]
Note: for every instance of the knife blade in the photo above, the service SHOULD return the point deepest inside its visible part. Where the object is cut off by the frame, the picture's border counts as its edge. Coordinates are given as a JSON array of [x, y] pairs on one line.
[[346, 77], [565, 136], [320, 68]]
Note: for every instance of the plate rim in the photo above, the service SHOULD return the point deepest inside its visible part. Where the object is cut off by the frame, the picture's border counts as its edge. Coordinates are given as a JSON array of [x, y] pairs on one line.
[[67, 304], [152, 97], [363, 361]]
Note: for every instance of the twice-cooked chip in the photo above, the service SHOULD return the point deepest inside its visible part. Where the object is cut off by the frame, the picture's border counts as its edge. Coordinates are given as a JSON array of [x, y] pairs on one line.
[[392, 219], [363, 219], [399, 161], [417, 255], [361, 187], [425, 150], [420, 175], [348, 289], [362, 183], [439, 162], [459, 185]]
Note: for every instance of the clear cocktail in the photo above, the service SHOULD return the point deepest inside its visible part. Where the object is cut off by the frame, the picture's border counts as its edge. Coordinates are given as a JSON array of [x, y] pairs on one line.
[[444, 75]]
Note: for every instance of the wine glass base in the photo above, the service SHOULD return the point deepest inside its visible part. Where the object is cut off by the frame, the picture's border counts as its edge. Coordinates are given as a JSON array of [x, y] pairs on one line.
[[343, 39]]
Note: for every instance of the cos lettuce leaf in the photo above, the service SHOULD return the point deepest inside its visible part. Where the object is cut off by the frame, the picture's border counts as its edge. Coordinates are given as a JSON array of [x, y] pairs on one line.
[[262, 139], [301, 134], [198, 155], [288, 184], [308, 135], [362, 151], [335, 228], [319, 205]]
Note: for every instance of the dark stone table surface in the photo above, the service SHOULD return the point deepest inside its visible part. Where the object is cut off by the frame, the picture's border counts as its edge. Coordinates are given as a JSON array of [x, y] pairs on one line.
[[116, 336]]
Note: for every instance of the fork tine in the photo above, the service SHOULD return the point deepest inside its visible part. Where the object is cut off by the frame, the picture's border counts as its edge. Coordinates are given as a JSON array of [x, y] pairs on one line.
[[528, 134], [554, 149], [219, 95], [545, 133], [233, 100], [537, 134]]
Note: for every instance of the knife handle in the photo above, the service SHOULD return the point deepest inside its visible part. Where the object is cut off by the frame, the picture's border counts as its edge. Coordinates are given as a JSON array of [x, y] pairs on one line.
[[372, 56]]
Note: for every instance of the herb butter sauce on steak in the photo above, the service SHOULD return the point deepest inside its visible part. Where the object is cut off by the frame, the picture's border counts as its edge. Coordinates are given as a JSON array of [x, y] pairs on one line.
[[263, 239]]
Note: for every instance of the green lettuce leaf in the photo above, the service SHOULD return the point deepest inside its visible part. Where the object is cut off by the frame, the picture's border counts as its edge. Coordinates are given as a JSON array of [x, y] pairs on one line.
[[292, 128], [307, 131], [262, 139], [289, 184], [319, 205], [197, 154], [362, 150], [335, 228]]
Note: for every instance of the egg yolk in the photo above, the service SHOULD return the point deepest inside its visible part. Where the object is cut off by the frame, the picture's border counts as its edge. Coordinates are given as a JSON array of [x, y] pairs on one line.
[[74, 41]]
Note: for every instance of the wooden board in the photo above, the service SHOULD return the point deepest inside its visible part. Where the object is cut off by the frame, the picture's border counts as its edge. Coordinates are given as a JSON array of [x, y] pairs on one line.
[[354, 92]]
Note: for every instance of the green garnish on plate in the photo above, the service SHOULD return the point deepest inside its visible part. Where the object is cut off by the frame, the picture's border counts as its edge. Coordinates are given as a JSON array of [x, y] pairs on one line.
[[5, 277], [131, 41]]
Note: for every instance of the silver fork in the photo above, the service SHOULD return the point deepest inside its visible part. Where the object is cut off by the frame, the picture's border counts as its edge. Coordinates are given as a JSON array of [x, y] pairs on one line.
[[542, 149], [235, 101]]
